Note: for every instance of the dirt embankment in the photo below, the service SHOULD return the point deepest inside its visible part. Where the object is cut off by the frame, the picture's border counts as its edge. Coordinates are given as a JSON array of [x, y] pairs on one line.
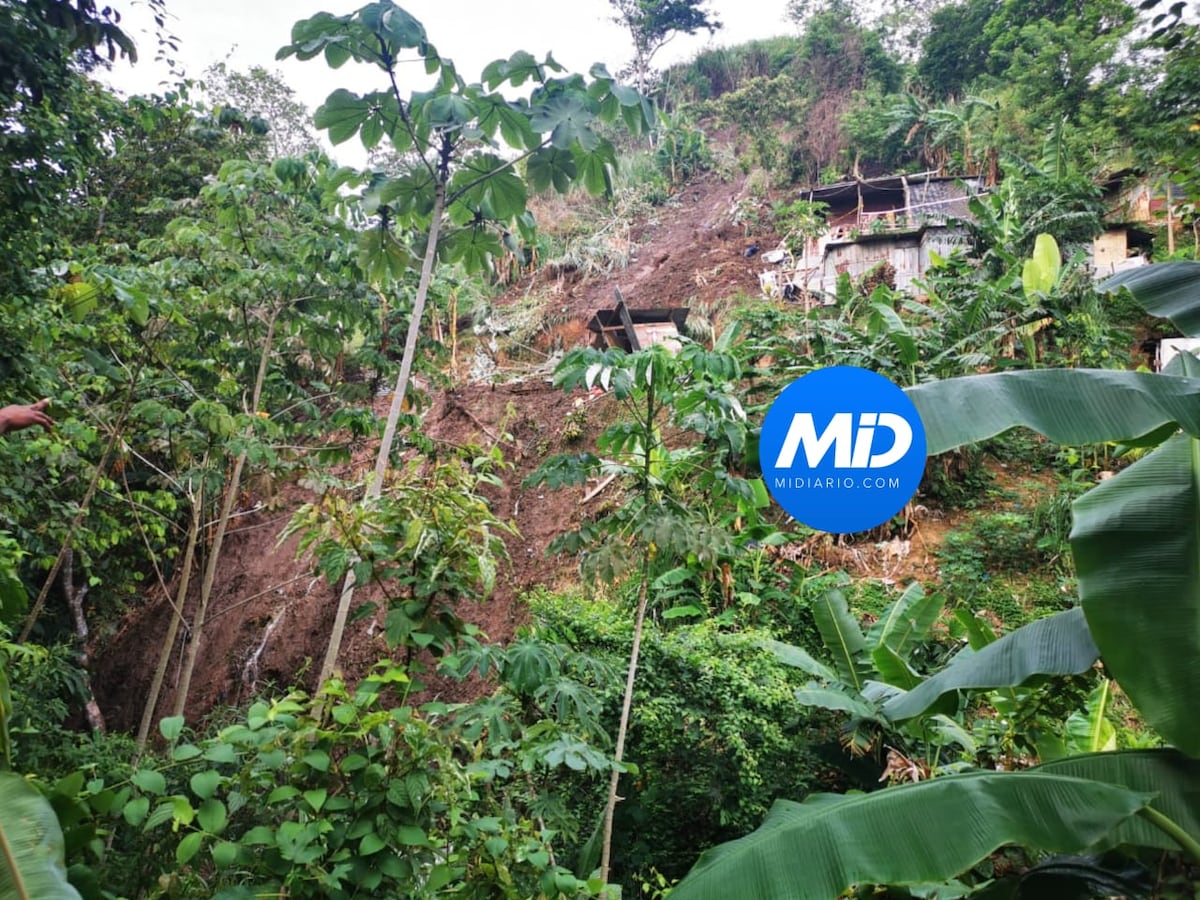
[[270, 615]]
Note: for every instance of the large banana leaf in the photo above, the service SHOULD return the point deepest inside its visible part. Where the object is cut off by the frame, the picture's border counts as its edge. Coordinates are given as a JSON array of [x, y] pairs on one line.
[[842, 638], [907, 621], [1170, 290], [799, 658], [31, 845], [925, 832], [1056, 645], [1069, 406], [1173, 777], [1136, 542], [814, 694]]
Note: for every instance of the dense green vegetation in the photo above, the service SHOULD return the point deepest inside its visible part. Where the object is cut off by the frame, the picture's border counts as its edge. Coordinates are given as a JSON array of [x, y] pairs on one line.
[[210, 300]]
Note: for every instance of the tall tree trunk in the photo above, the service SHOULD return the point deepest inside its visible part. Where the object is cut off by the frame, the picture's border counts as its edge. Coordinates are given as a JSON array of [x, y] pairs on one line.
[[75, 597], [214, 555], [164, 653], [389, 432], [638, 621], [1170, 221], [623, 728]]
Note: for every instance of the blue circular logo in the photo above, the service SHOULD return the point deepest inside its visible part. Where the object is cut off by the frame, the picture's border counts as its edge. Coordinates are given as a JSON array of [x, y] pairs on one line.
[[842, 449]]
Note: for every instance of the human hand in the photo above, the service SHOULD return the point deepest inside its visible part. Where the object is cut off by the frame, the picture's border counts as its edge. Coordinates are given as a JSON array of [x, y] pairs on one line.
[[16, 417]]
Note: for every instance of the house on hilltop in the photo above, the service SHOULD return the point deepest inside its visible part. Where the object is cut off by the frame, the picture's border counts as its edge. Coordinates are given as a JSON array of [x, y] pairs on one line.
[[899, 222], [900, 219], [1133, 204]]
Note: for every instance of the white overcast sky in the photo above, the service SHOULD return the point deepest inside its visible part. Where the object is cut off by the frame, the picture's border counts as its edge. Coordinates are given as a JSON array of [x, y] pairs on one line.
[[470, 32]]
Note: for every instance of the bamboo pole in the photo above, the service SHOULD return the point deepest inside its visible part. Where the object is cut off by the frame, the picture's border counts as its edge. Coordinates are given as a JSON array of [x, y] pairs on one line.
[[214, 556]]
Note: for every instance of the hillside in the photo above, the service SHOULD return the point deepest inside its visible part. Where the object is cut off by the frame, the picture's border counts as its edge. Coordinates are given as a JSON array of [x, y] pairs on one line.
[[270, 615], [867, 539]]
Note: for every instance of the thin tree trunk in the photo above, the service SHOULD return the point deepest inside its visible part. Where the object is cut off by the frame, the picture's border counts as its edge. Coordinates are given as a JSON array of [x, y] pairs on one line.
[[164, 654], [1170, 221], [389, 432], [454, 335], [75, 597], [623, 728], [214, 555], [639, 620]]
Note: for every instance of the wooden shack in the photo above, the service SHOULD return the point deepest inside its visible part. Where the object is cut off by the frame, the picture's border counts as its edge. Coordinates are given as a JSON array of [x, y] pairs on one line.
[[636, 329]]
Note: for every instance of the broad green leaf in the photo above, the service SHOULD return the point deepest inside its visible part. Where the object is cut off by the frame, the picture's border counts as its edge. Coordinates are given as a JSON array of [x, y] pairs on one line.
[[473, 248], [14, 599], [220, 753], [162, 814], [1169, 289], [495, 113], [449, 111], [1136, 543], [595, 170], [182, 810], [411, 836], [205, 783], [316, 798], [910, 834], [1040, 272], [371, 843], [394, 26], [842, 638], [342, 114], [212, 815], [1056, 645], [799, 658], [893, 669], [551, 167], [516, 70], [317, 759], [134, 299], [814, 694], [31, 844], [1090, 731], [371, 132], [566, 117], [381, 256], [907, 620], [626, 95], [1171, 776], [79, 299], [488, 184], [149, 780], [506, 194], [224, 854], [951, 732], [979, 635], [171, 727], [189, 847], [1069, 406], [184, 752], [405, 194]]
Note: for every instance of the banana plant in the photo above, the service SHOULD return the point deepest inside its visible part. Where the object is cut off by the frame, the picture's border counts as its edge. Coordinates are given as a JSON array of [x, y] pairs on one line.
[[868, 670], [1136, 543], [31, 844]]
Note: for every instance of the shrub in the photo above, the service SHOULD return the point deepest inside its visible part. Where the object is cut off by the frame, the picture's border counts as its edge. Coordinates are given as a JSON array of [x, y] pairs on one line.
[[716, 733]]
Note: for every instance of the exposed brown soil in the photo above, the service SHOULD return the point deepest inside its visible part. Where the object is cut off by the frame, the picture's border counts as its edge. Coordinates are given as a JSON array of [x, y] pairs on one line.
[[691, 252], [270, 616]]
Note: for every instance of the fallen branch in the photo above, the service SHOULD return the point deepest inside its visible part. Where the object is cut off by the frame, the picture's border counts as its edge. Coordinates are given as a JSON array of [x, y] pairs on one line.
[[598, 488]]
